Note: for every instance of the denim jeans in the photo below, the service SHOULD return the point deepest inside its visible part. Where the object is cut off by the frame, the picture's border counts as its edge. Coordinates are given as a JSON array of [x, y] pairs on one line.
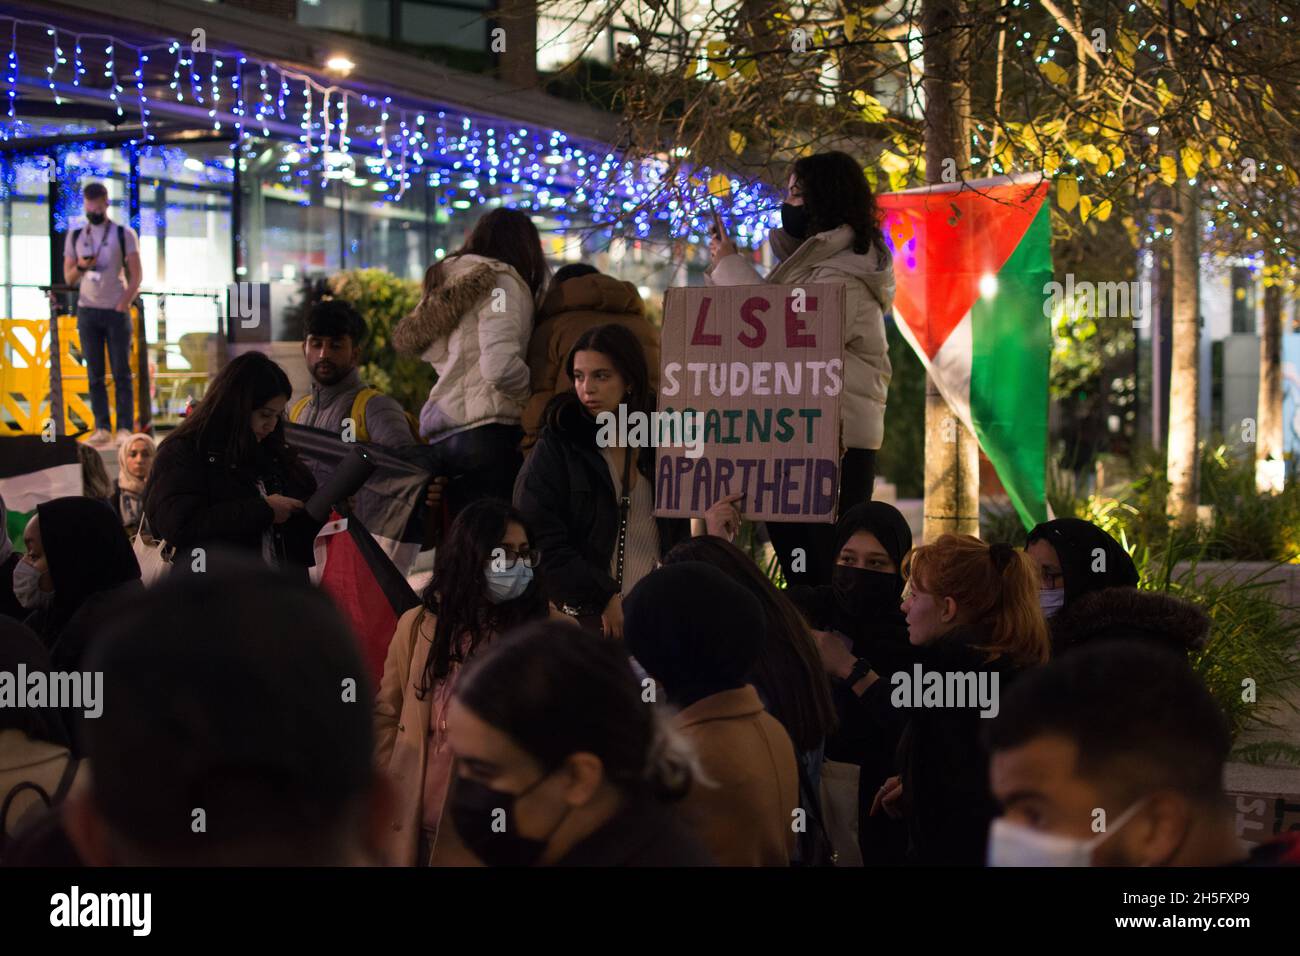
[[98, 328], [481, 462]]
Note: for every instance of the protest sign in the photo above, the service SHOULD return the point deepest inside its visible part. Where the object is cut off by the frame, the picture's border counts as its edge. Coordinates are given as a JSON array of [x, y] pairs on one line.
[[1260, 817], [760, 370]]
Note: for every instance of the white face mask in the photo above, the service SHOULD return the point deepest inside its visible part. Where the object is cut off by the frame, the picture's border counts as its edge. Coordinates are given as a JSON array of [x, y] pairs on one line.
[[1014, 844], [27, 586], [1051, 600]]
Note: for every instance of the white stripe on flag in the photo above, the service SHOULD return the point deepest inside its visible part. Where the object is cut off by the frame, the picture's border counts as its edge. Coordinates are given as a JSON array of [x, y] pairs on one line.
[[24, 492], [950, 369]]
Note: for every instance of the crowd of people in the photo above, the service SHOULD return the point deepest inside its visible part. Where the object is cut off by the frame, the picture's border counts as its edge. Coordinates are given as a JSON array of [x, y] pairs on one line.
[[582, 682]]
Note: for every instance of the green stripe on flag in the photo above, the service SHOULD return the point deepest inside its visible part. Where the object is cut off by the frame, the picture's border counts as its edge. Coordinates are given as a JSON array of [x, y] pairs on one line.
[[1010, 351]]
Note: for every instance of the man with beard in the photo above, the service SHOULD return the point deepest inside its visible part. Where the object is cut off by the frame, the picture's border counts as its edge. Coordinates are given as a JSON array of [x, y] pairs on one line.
[[332, 347]]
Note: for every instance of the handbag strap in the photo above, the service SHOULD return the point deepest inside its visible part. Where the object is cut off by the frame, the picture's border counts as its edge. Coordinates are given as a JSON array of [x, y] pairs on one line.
[[624, 507]]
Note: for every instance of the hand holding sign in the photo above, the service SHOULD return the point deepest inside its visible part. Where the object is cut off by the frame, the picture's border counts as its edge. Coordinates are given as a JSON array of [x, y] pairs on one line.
[[723, 518], [720, 244]]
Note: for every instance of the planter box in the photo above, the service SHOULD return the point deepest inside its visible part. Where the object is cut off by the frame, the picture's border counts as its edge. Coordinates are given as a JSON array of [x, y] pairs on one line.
[[1285, 578]]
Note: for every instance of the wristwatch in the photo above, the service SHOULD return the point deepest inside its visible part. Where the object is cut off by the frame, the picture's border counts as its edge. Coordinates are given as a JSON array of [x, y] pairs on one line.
[[861, 666]]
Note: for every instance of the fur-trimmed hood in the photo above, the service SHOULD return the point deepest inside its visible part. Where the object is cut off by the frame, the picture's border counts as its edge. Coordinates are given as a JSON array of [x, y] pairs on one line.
[[470, 278], [1123, 612]]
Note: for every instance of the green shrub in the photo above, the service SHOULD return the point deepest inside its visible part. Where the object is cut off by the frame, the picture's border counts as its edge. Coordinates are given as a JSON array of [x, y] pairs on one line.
[[382, 299], [1252, 637]]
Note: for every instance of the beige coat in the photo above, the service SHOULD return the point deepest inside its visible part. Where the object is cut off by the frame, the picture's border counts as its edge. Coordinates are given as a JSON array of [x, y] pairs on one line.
[[23, 760], [406, 740], [746, 818], [868, 294]]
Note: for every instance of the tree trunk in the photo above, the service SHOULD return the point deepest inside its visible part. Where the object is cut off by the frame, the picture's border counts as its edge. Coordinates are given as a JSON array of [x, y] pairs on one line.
[[517, 62], [1184, 372], [951, 451], [1269, 467]]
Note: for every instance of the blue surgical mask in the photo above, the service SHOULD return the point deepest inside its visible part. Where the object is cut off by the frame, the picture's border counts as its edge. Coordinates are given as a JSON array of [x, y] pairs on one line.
[[1051, 600], [508, 584]]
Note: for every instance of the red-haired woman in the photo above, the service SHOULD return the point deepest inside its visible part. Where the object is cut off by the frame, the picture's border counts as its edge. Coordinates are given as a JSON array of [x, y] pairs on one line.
[[973, 624]]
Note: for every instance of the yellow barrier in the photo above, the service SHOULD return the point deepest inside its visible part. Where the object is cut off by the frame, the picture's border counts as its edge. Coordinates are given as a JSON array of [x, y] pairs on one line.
[[25, 390]]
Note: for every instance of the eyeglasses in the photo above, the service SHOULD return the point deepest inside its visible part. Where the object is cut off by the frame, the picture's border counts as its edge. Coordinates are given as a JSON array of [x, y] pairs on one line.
[[1052, 581], [504, 559]]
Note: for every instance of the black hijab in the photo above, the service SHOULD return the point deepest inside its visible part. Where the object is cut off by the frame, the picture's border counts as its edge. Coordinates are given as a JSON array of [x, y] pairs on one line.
[[882, 520], [1077, 543], [856, 602], [87, 552], [20, 645]]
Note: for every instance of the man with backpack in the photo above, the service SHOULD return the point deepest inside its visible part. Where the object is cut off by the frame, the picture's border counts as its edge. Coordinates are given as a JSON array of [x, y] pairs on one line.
[[102, 260], [332, 347], [340, 402]]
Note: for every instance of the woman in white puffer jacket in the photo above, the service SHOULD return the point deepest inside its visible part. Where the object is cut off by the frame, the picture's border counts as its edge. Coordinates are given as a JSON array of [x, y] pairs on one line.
[[473, 325], [830, 234]]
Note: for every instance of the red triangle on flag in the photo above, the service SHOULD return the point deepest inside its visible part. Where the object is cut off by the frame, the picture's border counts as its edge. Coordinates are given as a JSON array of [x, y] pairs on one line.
[[944, 242]]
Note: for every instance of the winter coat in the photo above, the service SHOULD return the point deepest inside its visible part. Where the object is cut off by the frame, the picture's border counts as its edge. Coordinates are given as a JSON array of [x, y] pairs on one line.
[[474, 330], [1126, 612], [743, 812], [196, 498], [643, 833], [571, 308], [947, 803], [566, 492], [407, 740], [828, 257]]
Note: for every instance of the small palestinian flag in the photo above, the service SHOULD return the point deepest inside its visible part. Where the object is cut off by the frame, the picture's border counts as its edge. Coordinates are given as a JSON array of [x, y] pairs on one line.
[[355, 554], [971, 261], [33, 471]]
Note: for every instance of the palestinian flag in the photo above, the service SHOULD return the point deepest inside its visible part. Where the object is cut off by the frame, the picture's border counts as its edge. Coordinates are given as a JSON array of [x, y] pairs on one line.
[[356, 552], [33, 471], [390, 504], [971, 261]]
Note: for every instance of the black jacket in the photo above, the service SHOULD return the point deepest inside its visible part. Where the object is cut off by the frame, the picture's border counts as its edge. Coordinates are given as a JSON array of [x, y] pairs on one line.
[[1127, 613], [566, 493], [947, 803], [196, 498], [643, 833]]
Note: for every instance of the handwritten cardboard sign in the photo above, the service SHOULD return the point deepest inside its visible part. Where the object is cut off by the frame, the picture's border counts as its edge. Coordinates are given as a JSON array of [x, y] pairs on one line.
[[1261, 817], [763, 369]]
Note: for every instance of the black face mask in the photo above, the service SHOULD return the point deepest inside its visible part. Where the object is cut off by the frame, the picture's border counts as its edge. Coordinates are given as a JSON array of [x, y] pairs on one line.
[[96, 218], [794, 220], [859, 592], [478, 811]]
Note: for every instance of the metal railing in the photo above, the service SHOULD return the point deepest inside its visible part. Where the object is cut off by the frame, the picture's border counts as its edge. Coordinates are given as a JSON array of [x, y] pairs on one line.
[[40, 395]]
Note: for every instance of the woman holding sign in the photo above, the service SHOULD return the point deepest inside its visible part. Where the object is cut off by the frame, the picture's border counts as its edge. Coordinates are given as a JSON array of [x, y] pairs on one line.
[[829, 234], [592, 503]]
